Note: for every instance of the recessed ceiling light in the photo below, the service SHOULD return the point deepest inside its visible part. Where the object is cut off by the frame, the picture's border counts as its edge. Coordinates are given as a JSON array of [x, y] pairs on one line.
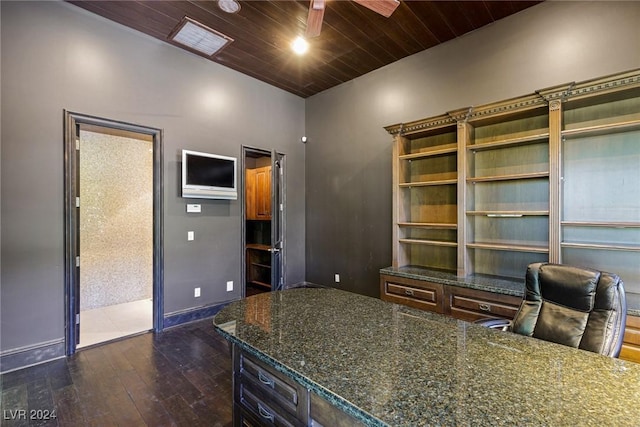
[[229, 6], [197, 36], [300, 45]]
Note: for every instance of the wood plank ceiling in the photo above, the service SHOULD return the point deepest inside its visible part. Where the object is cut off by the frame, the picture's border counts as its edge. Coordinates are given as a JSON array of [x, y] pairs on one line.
[[354, 40]]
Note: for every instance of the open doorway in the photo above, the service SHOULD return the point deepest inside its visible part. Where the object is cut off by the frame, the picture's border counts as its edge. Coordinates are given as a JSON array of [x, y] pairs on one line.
[[113, 230], [263, 220]]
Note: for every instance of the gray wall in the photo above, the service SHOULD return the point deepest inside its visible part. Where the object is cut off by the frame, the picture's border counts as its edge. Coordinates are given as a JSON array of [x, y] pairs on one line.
[[349, 153], [56, 56]]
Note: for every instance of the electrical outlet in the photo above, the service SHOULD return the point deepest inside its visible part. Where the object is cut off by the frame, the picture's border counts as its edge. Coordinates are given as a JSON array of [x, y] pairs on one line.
[[230, 286], [196, 292], [337, 278]]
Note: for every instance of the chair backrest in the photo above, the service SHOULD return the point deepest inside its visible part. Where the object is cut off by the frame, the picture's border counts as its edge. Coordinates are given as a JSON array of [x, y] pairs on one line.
[[574, 306]]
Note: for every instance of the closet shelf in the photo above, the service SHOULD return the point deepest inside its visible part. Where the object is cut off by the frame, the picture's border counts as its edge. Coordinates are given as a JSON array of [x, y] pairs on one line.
[[258, 246], [255, 264], [261, 284]]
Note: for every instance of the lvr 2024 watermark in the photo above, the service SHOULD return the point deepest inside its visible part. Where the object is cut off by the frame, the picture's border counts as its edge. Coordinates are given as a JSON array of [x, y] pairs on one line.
[[32, 414]]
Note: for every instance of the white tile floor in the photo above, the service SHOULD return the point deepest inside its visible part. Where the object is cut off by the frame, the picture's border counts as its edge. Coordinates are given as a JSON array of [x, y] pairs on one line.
[[115, 321]]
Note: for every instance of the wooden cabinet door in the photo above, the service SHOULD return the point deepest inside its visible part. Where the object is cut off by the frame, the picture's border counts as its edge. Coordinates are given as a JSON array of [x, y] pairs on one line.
[[258, 193], [263, 193]]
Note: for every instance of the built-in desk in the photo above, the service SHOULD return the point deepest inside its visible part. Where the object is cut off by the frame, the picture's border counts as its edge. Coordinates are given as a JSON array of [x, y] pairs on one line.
[[388, 364], [481, 282], [477, 296]]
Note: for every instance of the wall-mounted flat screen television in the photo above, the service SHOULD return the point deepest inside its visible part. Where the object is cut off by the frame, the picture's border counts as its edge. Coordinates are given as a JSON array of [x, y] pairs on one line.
[[209, 176]]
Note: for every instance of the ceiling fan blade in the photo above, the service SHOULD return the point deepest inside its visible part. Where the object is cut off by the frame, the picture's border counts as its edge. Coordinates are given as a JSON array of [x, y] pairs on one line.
[[314, 20], [383, 7]]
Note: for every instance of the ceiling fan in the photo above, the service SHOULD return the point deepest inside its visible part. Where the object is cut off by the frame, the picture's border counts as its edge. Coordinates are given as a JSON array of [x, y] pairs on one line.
[[316, 12]]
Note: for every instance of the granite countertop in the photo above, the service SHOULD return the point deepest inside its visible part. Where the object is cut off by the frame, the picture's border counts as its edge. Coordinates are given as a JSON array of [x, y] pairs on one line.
[[484, 283], [388, 364]]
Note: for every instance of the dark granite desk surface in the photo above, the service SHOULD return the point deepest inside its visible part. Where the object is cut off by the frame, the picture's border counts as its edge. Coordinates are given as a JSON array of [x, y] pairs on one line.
[[392, 365], [484, 283]]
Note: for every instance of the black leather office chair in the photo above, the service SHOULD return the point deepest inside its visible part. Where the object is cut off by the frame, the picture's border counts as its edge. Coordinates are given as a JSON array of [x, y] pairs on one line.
[[577, 307]]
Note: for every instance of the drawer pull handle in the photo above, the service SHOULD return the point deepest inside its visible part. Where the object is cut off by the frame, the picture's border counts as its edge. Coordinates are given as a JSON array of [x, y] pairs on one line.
[[264, 379], [485, 307], [408, 292], [264, 413]]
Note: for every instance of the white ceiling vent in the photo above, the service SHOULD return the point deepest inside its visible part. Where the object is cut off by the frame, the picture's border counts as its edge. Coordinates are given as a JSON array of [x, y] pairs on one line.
[[199, 37]]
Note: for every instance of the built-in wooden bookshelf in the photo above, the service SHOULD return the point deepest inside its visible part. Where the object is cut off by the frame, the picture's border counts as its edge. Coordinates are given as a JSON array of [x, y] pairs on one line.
[[506, 187], [426, 178], [600, 215], [550, 176]]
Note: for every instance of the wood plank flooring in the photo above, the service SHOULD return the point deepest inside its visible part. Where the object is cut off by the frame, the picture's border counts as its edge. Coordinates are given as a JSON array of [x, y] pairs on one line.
[[181, 377]]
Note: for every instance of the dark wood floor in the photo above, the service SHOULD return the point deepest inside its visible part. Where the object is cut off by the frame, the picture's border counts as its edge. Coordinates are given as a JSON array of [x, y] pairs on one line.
[[181, 377]]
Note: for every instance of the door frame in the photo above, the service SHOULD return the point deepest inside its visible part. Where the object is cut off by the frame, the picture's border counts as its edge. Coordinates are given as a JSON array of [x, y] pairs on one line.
[[72, 122], [278, 205], [243, 217]]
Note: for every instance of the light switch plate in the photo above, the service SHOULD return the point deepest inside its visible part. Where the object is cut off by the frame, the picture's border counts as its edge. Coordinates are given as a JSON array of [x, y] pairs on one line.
[[229, 286], [191, 235]]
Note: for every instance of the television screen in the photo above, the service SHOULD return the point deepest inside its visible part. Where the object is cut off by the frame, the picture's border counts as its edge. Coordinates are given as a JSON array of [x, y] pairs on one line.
[[208, 176], [210, 171]]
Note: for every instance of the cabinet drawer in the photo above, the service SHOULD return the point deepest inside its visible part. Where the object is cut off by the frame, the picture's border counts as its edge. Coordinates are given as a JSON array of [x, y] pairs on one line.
[[414, 293], [632, 336], [427, 295], [632, 331], [262, 378], [264, 413], [470, 304], [631, 341], [484, 307], [630, 353], [262, 382]]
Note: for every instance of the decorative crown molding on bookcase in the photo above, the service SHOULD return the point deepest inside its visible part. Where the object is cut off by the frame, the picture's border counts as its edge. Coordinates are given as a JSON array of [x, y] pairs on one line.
[[421, 125], [538, 99]]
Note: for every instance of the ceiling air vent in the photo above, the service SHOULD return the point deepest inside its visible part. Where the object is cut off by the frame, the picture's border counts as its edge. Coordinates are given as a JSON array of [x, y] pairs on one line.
[[196, 36]]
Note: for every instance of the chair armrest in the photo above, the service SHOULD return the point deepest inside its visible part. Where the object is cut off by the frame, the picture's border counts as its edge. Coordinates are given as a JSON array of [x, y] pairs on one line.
[[494, 323]]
